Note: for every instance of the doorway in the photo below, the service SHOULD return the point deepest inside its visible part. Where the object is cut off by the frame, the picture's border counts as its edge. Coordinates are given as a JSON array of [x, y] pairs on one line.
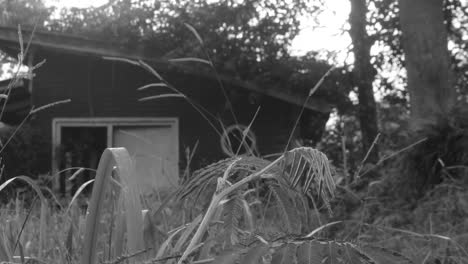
[[151, 142], [81, 147]]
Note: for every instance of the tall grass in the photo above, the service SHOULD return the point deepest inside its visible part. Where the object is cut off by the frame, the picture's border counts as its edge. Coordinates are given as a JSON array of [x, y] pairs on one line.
[[244, 209]]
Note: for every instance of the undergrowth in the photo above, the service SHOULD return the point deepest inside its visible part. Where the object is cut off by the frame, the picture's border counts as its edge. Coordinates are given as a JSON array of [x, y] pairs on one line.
[[244, 209]]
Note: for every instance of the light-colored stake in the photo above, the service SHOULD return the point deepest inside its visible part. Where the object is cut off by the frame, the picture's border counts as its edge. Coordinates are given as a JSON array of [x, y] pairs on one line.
[[120, 158]]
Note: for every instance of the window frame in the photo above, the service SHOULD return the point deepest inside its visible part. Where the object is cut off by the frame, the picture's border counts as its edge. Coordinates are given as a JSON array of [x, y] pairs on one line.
[[109, 123]]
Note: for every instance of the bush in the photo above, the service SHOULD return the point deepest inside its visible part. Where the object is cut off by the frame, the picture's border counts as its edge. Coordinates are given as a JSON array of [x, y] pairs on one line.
[[27, 153]]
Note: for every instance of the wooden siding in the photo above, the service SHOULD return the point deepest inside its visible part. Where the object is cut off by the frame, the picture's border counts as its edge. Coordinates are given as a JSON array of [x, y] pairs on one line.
[[18, 104], [102, 88]]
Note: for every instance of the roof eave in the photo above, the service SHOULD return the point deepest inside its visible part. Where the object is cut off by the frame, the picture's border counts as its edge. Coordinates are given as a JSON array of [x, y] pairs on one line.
[[9, 36]]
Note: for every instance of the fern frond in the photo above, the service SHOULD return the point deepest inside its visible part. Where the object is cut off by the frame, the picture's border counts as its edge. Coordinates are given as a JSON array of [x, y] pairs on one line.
[[304, 213], [232, 217], [301, 168], [287, 210], [248, 216], [317, 250], [206, 177], [308, 169], [308, 165]]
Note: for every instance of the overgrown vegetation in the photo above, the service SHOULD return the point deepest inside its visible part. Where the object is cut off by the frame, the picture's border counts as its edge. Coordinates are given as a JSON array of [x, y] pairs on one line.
[[244, 209], [298, 208]]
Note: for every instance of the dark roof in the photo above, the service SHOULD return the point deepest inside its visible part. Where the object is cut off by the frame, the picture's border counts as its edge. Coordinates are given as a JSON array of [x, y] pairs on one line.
[[9, 42]]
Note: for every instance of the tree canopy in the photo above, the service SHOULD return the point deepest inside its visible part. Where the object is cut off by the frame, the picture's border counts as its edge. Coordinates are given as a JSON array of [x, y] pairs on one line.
[[249, 40]]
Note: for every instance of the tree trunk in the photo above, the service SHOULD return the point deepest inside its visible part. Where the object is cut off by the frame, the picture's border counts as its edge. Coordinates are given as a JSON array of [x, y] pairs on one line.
[[424, 39], [363, 75]]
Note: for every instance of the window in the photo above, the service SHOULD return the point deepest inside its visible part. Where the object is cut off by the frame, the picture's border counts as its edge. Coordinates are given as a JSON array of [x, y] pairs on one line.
[[152, 143]]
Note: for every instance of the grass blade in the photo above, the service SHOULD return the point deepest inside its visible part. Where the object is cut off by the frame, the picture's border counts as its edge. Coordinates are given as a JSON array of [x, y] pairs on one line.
[[195, 33], [78, 192], [150, 69], [160, 96], [5, 255], [69, 243], [151, 85], [188, 231], [121, 60], [75, 174], [119, 233], [44, 207], [43, 228], [124, 164], [166, 243], [131, 199], [191, 59]]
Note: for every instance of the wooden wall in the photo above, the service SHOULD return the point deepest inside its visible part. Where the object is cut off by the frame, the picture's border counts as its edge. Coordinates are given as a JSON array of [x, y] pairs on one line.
[[101, 88]]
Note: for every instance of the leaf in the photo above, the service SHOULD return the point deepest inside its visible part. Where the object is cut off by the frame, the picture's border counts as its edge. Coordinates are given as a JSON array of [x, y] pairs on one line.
[[150, 69], [122, 60], [188, 231], [42, 224], [306, 212], [320, 228], [78, 192], [21, 252], [118, 237], [20, 39], [319, 83], [149, 230], [75, 174], [210, 241], [308, 169], [5, 255], [69, 243], [131, 198], [151, 85], [124, 164], [231, 218], [29, 181], [154, 97], [191, 59], [43, 228], [39, 64], [249, 218], [287, 210], [195, 33], [43, 107], [166, 243]]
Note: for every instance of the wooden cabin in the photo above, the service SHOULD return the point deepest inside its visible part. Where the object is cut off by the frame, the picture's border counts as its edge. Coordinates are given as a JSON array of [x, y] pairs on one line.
[[105, 108]]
